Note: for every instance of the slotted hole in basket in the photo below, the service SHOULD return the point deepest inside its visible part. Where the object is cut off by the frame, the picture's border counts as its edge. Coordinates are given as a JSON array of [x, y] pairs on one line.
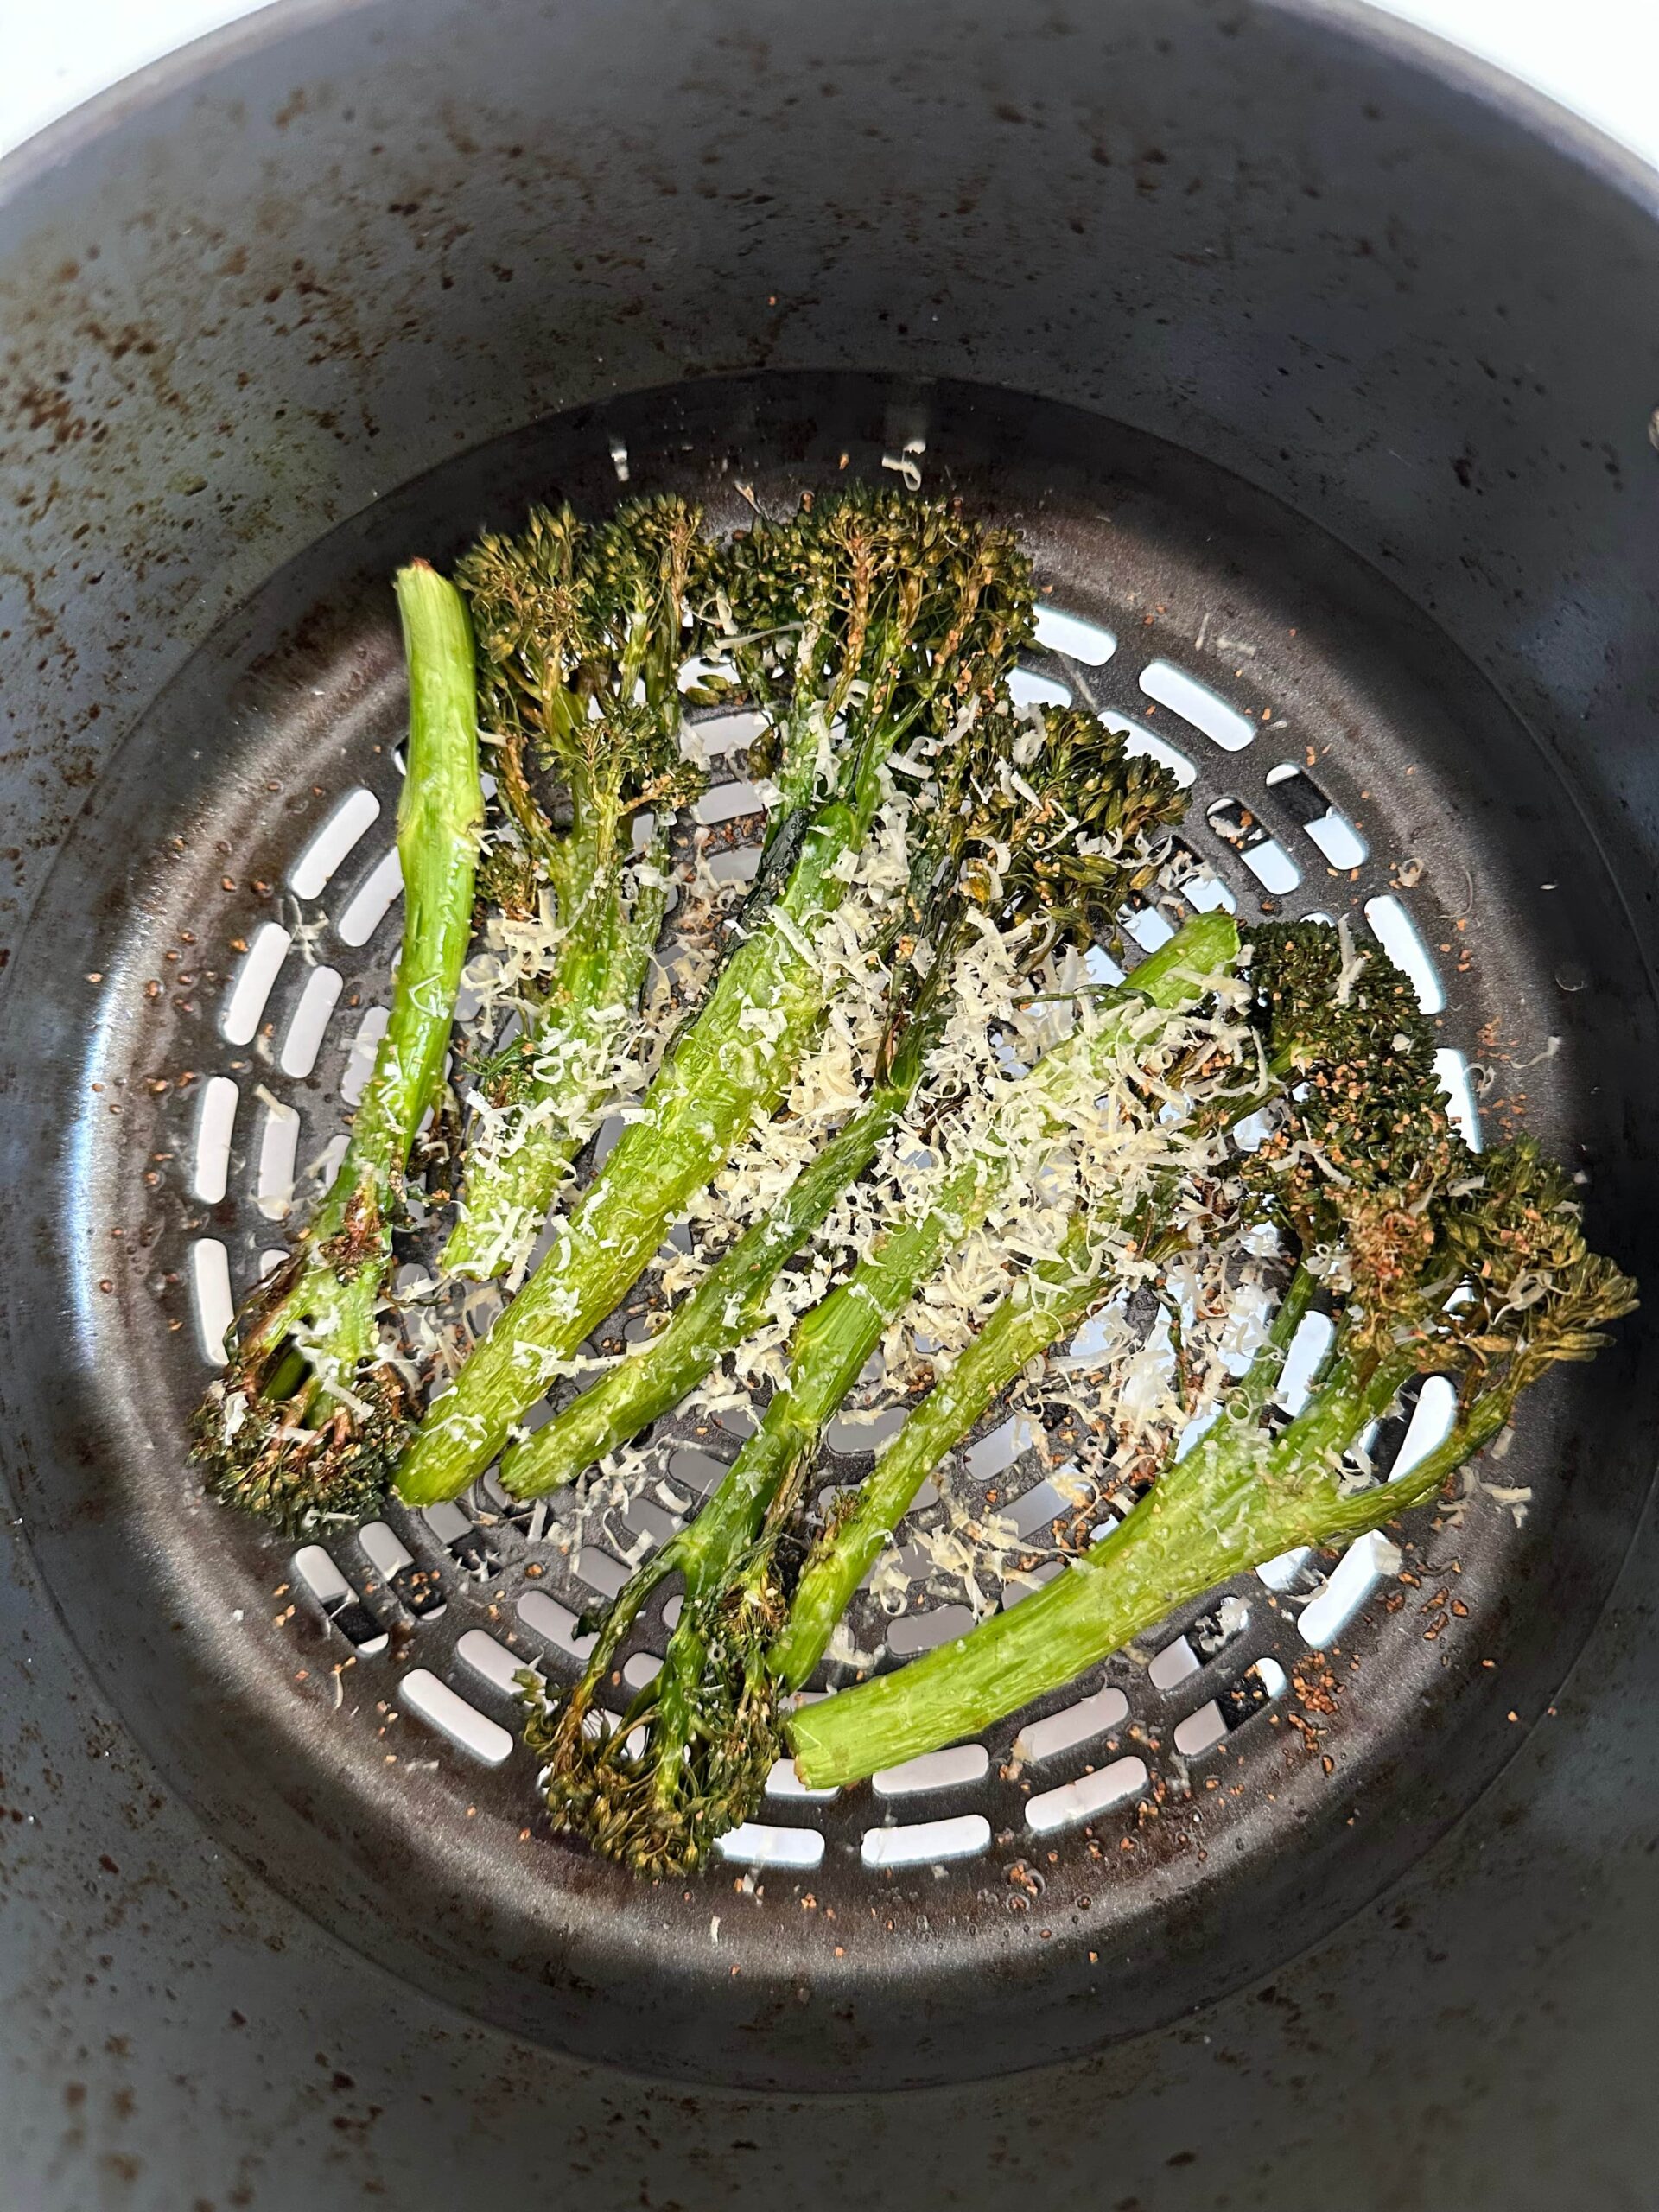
[[355, 815], [740, 865], [419, 1590], [727, 803], [698, 1470], [1197, 703], [954, 1768], [309, 1025], [1326, 826], [498, 1666], [1200, 886], [757, 1844], [1074, 1726], [210, 1297], [1150, 929], [340, 1601], [215, 1124], [1085, 1799], [1401, 940], [1213, 1723], [913, 1632], [1074, 636], [728, 733], [251, 984], [1266, 858], [928, 1843], [1035, 1509], [1010, 1441], [1027, 687], [1187, 1654], [360, 1064], [371, 902], [446, 1711], [555, 1622], [1140, 742], [279, 1144], [859, 1432], [1459, 1084], [1349, 1583]]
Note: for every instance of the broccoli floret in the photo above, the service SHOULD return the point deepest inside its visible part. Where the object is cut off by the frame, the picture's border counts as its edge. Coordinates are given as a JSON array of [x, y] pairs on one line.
[[1439, 1260], [582, 632]]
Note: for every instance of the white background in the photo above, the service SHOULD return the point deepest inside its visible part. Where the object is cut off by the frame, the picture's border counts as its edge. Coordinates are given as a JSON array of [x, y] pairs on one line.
[[1599, 56]]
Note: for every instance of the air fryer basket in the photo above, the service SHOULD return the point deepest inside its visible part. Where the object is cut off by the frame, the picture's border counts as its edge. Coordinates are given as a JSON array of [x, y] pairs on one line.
[[1340, 485]]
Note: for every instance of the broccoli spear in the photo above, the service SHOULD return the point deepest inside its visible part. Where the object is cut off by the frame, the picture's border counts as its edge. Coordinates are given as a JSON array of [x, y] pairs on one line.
[[1039, 1308], [581, 635], [712, 1708], [1065, 835], [305, 1421], [1315, 1005], [925, 611], [1446, 1263]]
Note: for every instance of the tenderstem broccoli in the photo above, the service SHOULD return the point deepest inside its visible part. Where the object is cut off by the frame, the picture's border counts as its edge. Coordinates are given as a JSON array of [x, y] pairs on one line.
[[1069, 835], [711, 1710], [308, 1419], [1317, 1005], [1439, 1260], [925, 611], [583, 632]]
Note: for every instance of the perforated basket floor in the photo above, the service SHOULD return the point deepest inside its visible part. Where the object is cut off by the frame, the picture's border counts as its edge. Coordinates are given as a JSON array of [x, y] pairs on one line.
[[343, 1711]]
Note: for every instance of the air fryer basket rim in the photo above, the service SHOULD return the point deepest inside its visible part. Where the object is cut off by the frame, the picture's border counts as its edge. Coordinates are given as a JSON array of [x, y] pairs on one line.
[[1602, 155]]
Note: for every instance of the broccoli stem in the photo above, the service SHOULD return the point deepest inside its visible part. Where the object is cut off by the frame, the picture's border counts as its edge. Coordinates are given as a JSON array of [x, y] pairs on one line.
[[833, 1342], [556, 1078], [667, 1809], [733, 1064], [1055, 1296], [304, 1337], [1237, 1499], [928, 611], [727, 1306], [582, 631], [440, 812], [1475, 1269]]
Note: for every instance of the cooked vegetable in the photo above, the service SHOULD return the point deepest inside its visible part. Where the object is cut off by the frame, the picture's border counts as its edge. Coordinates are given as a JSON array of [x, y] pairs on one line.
[[307, 1419], [712, 1710], [583, 632], [1053, 819], [1317, 1005], [1055, 1296], [920, 610], [1440, 1262]]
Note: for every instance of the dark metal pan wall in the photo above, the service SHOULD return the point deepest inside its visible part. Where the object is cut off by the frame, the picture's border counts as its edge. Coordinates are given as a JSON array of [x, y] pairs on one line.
[[367, 239]]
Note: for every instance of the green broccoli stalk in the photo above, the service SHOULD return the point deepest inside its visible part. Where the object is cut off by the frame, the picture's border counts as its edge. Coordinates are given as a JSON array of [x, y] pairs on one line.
[[581, 635], [1057, 1295], [1068, 837], [1443, 1263], [725, 1308], [927, 608], [1315, 1004], [712, 1709], [307, 1420]]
